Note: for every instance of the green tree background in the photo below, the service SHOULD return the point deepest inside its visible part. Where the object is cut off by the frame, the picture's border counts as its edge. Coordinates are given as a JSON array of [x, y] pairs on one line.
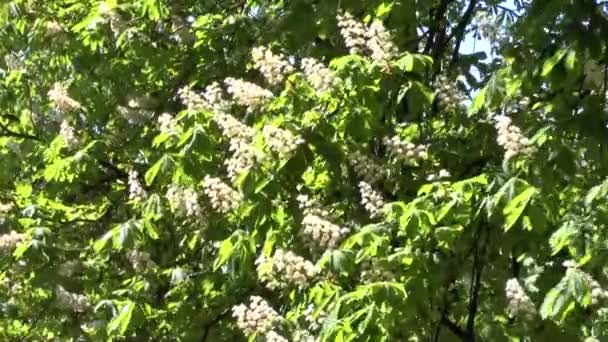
[[303, 170]]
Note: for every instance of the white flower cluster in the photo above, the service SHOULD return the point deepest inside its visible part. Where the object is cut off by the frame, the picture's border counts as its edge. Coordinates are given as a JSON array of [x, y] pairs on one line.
[[519, 303], [53, 28], [11, 240], [314, 323], [232, 128], [71, 301], [380, 45], [212, 98], [371, 200], [285, 269], [281, 141], [184, 201], [140, 261], [61, 99], [366, 168], [166, 123], [404, 151], [68, 133], [6, 207], [372, 273], [318, 75], [598, 294], [310, 207], [247, 94], [353, 32], [442, 174], [274, 67], [273, 336], [321, 233], [190, 98], [449, 97], [510, 137], [244, 156], [136, 190], [256, 317], [240, 136], [223, 198], [373, 39]]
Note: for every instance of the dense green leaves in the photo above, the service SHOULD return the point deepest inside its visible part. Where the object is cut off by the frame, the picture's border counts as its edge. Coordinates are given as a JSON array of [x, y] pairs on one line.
[[217, 171]]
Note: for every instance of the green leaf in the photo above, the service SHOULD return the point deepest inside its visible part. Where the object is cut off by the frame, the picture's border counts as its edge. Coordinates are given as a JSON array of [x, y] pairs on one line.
[[120, 323], [555, 301], [570, 60], [479, 101], [552, 62], [384, 9], [153, 207], [600, 191], [224, 254], [577, 285], [150, 230], [516, 206], [445, 209], [162, 164], [564, 236], [102, 243], [21, 249], [448, 234], [153, 8], [406, 63]]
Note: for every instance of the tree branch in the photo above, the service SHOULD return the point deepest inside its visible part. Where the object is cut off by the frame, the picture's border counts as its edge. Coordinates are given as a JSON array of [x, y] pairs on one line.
[[439, 12], [460, 30], [480, 247], [5, 132], [454, 328]]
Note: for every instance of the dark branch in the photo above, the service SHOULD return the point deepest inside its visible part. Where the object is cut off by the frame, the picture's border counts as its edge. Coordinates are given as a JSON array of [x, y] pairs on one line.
[[480, 248], [460, 30], [439, 14], [454, 328], [474, 297], [5, 132]]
